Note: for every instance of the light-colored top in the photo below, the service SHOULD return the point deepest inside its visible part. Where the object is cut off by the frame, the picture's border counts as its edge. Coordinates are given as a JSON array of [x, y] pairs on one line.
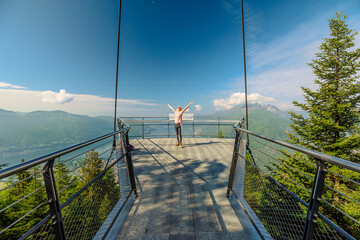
[[179, 114]]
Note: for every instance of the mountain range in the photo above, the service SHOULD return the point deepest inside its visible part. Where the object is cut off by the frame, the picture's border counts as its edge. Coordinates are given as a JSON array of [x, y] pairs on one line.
[[265, 119], [33, 134]]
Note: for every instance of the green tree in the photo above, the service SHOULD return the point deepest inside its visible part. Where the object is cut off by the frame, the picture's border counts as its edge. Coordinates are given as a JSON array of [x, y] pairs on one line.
[[87, 211], [332, 124], [221, 135], [87, 203], [91, 167], [65, 181], [97, 201], [30, 193]]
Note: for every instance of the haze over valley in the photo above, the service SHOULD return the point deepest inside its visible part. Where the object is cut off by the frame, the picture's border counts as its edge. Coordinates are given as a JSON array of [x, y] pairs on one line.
[[33, 134]]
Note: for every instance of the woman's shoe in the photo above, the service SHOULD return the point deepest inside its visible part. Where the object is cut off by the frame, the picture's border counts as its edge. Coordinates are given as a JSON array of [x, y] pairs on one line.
[[180, 145], [177, 144]]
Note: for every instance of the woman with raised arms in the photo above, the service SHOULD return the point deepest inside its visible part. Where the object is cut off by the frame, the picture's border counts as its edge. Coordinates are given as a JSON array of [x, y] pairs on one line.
[[178, 122]]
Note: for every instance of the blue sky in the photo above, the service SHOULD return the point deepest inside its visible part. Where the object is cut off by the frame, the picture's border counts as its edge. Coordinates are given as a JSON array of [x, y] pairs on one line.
[[62, 54]]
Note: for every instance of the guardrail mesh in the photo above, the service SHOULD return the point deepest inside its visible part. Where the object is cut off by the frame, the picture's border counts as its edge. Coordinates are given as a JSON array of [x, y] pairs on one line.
[[84, 216], [89, 182], [23, 203], [277, 184], [46, 231], [283, 217]]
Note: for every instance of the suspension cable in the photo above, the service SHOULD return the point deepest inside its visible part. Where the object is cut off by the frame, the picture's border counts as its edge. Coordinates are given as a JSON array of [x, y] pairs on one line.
[[117, 66], [243, 39]]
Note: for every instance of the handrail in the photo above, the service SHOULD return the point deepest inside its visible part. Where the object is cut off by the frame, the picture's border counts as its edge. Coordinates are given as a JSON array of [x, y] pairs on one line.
[[165, 121], [194, 117], [36, 161], [322, 156], [196, 126], [48, 186]]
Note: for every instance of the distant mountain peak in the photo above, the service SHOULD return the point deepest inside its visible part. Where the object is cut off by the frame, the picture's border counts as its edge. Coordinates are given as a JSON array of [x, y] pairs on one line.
[[256, 106]]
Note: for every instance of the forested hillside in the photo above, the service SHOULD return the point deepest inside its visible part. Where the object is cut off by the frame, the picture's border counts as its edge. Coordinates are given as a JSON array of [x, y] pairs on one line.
[[29, 135]]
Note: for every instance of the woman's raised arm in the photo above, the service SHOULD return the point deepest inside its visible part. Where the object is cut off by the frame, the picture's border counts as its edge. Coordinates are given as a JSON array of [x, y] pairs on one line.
[[182, 111], [170, 107]]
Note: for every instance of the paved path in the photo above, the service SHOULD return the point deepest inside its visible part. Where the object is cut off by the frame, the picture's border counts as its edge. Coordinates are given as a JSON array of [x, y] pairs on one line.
[[182, 192]]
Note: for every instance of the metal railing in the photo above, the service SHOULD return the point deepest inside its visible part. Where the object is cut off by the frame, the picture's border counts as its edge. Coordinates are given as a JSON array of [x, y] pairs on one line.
[[149, 127], [290, 192], [68, 194]]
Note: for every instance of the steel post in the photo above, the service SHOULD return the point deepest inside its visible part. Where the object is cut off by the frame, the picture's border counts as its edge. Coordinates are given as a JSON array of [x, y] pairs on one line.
[[218, 126], [53, 200], [315, 200], [238, 140], [143, 132], [130, 164]]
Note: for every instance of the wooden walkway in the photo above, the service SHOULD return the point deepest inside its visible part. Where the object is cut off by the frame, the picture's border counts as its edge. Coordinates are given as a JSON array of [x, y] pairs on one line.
[[182, 192]]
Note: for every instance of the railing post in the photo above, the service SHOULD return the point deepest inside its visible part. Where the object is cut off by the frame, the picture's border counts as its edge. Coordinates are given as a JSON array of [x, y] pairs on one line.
[[315, 200], [130, 163], [53, 200], [218, 126], [238, 140], [142, 124], [193, 130], [168, 129]]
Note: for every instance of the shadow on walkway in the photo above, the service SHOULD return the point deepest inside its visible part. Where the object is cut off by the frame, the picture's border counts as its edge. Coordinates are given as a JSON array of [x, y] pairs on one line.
[[182, 192]]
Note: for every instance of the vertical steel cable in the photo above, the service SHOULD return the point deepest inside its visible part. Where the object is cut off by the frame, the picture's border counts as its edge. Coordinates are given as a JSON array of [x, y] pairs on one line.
[[243, 38], [117, 66]]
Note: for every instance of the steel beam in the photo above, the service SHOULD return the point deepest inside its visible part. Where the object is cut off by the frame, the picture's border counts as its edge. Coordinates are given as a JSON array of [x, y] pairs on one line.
[[53, 200], [315, 200]]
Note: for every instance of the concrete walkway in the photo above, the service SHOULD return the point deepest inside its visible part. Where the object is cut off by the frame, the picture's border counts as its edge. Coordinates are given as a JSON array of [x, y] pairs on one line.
[[182, 192]]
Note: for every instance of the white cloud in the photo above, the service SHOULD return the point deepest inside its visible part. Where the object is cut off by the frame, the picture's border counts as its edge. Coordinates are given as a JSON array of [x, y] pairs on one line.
[[56, 98], [278, 68], [296, 47], [283, 83], [8, 85], [28, 100], [198, 107], [239, 98]]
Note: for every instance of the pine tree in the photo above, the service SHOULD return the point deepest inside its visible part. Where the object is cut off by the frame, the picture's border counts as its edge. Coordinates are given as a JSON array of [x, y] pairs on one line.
[[332, 124], [91, 167], [97, 201], [65, 181], [29, 191]]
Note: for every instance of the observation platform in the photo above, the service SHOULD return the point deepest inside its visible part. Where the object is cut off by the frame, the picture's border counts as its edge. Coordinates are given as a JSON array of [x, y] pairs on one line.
[[182, 192]]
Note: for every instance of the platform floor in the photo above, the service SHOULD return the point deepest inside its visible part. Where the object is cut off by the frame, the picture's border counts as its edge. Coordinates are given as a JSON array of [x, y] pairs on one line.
[[182, 192]]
